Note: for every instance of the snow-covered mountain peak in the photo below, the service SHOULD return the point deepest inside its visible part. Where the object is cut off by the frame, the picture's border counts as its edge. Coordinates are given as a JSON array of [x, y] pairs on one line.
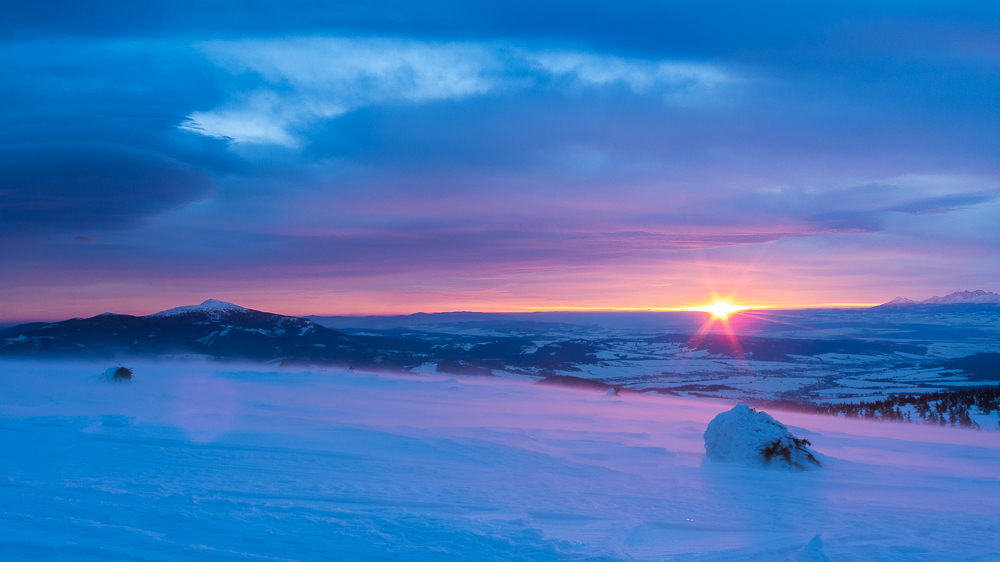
[[958, 297], [899, 301], [965, 297], [212, 306]]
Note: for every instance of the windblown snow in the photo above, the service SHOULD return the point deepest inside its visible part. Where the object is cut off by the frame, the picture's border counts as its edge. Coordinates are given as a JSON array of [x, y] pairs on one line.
[[193, 461]]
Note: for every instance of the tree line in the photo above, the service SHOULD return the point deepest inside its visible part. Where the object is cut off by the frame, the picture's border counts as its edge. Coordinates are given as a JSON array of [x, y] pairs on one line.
[[944, 408]]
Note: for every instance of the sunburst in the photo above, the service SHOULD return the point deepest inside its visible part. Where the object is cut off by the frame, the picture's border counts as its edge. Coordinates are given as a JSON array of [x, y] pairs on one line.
[[720, 309]]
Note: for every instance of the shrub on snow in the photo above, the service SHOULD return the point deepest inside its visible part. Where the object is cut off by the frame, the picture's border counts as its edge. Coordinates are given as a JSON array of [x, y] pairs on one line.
[[118, 374], [746, 436]]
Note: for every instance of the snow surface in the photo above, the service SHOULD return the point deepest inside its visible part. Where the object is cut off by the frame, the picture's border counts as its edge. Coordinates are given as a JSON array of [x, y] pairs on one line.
[[745, 435], [193, 461]]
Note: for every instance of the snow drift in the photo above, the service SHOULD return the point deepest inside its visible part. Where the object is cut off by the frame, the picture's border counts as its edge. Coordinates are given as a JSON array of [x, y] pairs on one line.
[[744, 435]]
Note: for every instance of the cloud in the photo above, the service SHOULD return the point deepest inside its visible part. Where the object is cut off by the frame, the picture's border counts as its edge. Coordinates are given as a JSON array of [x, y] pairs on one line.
[[868, 207], [848, 221], [475, 157], [298, 82], [309, 79], [683, 79], [103, 187], [945, 203]]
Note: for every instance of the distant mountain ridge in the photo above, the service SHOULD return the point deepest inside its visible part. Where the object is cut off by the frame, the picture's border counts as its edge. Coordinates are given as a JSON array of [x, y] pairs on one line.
[[485, 344], [958, 297], [225, 331], [214, 329]]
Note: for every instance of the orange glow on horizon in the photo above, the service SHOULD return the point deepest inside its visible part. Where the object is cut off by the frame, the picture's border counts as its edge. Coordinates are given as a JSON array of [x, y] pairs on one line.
[[56, 303], [700, 308]]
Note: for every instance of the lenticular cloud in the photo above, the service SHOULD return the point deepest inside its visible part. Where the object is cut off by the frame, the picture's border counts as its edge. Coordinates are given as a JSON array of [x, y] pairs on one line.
[[304, 80]]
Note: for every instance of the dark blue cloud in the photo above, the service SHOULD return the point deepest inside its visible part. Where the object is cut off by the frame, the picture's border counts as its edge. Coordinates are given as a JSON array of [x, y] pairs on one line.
[[73, 186], [945, 203], [849, 221], [89, 139], [767, 29]]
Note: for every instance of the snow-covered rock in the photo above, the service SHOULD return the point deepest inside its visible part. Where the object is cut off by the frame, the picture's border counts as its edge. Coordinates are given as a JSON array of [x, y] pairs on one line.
[[744, 435]]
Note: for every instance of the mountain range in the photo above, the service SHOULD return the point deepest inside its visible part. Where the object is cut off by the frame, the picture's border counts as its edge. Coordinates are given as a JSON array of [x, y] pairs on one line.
[[958, 297], [631, 348], [221, 330], [213, 328], [809, 354]]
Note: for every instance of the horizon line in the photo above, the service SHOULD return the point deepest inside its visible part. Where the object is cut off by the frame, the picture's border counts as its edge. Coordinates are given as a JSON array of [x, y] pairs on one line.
[[15, 321]]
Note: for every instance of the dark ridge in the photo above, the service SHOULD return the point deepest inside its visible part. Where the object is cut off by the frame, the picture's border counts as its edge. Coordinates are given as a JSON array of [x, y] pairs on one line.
[[459, 367], [667, 391], [21, 328], [563, 356], [977, 367], [689, 388], [235, 333], [780, 349], [239, 335], [574, 382]]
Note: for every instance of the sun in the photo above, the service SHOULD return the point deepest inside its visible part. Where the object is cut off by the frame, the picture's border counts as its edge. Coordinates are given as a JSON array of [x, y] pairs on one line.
[[720, 309]]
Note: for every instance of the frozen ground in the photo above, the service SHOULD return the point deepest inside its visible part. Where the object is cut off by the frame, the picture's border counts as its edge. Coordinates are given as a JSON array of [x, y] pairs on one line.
[[196, 462]]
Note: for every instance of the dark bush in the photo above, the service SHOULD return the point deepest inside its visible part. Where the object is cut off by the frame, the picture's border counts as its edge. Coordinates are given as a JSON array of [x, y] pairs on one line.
[[776, 448], [123, 374]]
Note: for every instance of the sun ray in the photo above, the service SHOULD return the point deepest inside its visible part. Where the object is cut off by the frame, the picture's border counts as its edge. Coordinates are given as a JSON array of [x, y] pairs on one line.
[[719, 312], [769, 317], [734, 342]]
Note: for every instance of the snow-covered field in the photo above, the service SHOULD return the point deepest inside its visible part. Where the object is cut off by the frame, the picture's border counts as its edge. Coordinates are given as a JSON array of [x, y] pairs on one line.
[[788, 354], [202, 462]]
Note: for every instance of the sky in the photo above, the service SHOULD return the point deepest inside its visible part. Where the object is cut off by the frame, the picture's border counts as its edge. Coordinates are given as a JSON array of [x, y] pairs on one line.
[[393, 157]]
